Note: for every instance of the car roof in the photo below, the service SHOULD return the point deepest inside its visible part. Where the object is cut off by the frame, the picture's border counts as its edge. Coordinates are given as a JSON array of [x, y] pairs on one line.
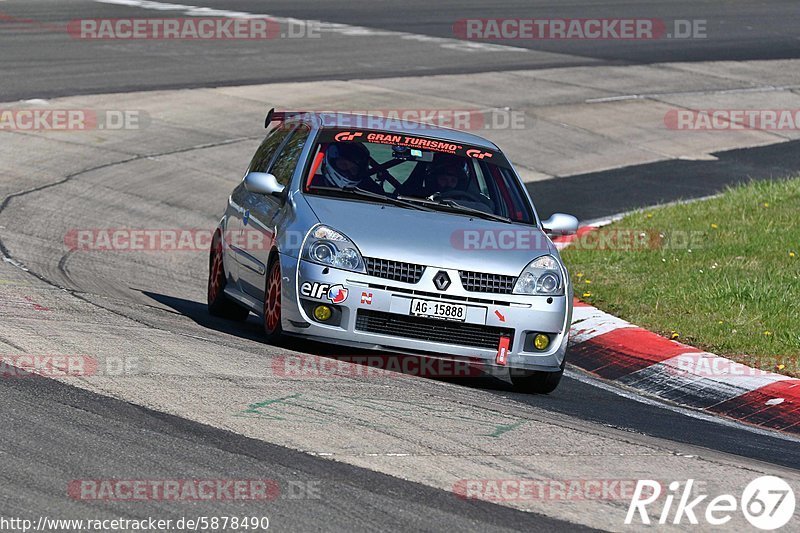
[[330, 120]]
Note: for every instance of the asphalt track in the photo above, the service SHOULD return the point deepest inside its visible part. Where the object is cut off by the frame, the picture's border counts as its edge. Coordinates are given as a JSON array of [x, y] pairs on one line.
[[92, 431], [637, 186], [54, 433], [43, 63]]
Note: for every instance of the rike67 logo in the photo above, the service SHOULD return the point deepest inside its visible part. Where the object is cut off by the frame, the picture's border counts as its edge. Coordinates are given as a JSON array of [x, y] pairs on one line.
[[767, 503]]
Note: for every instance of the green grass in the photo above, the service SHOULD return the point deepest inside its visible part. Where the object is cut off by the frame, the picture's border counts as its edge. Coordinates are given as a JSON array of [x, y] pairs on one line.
[[725, 276]]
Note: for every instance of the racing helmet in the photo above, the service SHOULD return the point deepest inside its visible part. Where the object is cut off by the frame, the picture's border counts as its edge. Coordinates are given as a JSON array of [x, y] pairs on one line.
[[450, 167], [345, 163]]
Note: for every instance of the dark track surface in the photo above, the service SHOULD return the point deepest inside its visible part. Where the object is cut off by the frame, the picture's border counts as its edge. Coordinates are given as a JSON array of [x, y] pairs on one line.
[[638, 186], [40, 62], [315, 494]]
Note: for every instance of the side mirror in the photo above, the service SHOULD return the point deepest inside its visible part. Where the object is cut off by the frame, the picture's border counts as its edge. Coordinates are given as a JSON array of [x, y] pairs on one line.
[[560, 224], [263, 183]]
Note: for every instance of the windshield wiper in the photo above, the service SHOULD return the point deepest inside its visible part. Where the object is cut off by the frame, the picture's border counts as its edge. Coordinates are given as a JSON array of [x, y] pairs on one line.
[[358, 191], [455, 207]]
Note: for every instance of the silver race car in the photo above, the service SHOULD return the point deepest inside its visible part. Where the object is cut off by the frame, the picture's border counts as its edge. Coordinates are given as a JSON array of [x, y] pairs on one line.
[[395, 236]]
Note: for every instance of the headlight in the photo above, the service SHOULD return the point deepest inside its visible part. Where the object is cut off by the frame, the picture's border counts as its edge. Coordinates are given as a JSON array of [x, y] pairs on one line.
[[543, 276], [326, 246]]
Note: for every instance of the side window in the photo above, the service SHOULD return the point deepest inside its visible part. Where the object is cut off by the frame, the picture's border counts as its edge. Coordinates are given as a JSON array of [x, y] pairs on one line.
[[266, 151], [287, 160]]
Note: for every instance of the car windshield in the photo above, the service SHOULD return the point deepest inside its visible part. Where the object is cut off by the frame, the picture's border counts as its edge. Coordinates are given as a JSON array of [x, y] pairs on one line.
[[437, 175]]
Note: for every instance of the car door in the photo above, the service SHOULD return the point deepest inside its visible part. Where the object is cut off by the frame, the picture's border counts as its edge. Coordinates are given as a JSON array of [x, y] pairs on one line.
[[232, 230], [239, 208], [265, 212]]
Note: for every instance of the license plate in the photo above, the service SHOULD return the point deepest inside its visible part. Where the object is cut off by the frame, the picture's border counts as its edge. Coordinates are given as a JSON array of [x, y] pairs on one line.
[[440, 310]]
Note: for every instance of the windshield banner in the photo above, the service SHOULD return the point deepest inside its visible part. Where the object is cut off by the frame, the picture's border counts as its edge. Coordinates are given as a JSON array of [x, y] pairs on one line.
[[414, 142]]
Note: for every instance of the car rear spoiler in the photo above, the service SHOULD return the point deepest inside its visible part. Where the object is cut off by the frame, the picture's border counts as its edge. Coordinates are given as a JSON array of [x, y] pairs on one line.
[[281, 116]]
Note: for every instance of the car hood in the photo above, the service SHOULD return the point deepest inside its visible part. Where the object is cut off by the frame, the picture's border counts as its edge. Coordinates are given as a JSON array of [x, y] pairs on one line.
[[437, 238]]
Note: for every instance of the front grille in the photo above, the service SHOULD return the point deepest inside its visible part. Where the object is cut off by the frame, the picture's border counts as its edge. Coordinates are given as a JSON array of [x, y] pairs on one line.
[[482, 282], [431, 329], [394, 270], [440, 296]]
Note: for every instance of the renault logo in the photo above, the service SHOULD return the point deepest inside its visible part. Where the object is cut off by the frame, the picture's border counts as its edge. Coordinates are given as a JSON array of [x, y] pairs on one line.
[[441, 280]]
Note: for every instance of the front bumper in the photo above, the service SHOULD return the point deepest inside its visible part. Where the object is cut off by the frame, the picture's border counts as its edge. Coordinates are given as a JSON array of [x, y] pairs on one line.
[[375, 315]]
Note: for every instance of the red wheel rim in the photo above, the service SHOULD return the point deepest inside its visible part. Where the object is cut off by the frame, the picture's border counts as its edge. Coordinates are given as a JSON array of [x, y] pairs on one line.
[[272, 303], [217, 276]]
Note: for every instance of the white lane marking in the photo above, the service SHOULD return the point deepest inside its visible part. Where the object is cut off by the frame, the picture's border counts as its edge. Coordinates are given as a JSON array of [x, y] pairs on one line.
[[15, 263], [690, 412], [589, 322], [741, 90], [709, 365], [699, 379], [448, 43], [600, 222]]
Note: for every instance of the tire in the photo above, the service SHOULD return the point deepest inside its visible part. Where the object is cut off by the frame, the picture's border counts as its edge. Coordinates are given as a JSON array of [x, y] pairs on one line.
[[537, 382], [218, 303], [273, 330]]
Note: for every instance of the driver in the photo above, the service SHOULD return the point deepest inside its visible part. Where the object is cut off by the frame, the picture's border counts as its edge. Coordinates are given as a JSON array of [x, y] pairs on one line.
[[451, 180], [347, 164], [449, 177]]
